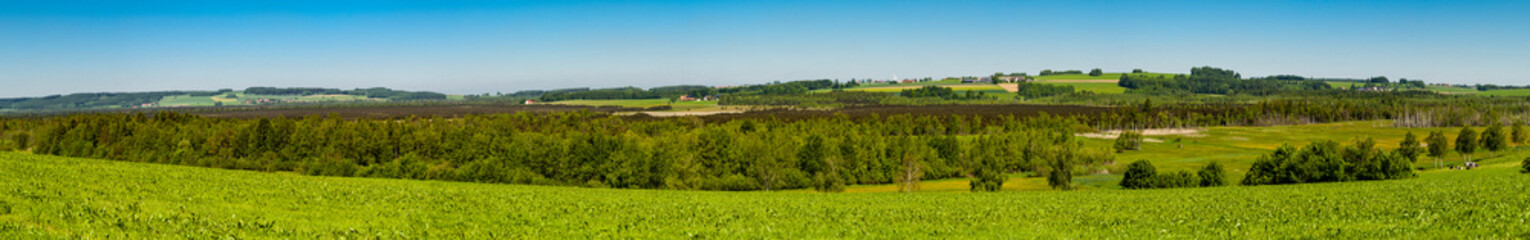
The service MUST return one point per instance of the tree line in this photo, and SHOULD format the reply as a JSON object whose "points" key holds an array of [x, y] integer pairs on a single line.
{"points": [[589, 149]]}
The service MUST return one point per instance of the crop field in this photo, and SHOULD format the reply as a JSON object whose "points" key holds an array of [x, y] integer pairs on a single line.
{"points": [[70, 198]]}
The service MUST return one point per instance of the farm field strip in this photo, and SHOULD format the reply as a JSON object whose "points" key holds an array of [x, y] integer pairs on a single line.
{"points": [[57, 197]]}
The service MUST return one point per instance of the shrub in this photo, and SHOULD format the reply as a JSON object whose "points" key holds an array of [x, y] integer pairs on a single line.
{"points": [[1061, 176], [22, 141], [1213, 175], [1139, 174], [1326, 161], [1128, 140], [1177, 179], [1525, 165]]}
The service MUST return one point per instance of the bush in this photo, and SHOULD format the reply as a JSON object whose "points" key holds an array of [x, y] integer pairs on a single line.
{"points": [[1178, 179], [22, 141], [1128, 140], [1327, 161], [1213, 175], [1525, 166], [1139, 175]]}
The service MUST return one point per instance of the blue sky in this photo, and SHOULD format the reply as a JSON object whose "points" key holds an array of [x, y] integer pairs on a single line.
{"points": [[53, 47]]}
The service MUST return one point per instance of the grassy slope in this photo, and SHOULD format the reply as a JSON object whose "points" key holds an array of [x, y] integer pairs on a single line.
{"points": [[56, 197], [1104, 76], [1235, 148], [1506, 93]]}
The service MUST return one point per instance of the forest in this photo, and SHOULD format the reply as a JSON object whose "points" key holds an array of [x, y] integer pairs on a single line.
{"points": [[1210, 80], [584, 149]]}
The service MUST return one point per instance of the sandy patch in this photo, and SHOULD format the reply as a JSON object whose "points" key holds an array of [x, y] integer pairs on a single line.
{"points": [[1010, 87], [1191, 132]]}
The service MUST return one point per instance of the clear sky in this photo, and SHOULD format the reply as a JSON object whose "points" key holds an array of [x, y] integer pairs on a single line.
{"points": [[54, 47]]}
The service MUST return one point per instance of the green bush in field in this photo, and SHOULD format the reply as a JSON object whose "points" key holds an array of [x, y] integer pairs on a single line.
{"points": [[1467, 142], [22, 141], [1178, 179], [1525, 166], [1328, 161], [1128, 140], [1410, 147], [1494, 138], [1140, 174], [1213, 175]]}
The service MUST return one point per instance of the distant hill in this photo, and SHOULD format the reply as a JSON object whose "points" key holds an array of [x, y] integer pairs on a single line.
{"points": [[223, 97]]}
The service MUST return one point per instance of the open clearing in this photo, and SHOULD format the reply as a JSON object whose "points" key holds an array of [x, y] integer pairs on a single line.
{"points": [[57, 197]]}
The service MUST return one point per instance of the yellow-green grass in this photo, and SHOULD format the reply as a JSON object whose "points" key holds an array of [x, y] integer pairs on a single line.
{"points": [[1103, 76], [1096, 87], [72, 198], [1452, 90], [1235, 148], [959, 87], [643, 103], [1506, 93]]}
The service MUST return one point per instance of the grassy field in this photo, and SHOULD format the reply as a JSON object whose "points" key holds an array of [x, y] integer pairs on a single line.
{"points": [[1104, 76], [1506, 93], [1235, 148], [69, 198], [644, 103], [1096, 87]]}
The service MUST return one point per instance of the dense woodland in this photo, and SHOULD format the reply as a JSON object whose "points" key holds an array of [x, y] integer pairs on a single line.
{"points": [[585, 149], [1209, 80]]}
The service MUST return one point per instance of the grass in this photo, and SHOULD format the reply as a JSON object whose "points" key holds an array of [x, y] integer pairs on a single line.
{"points": [[1103, 76], [1235, 148], [644, 103], [1506, 92], [71, 198], [1096, 87]]}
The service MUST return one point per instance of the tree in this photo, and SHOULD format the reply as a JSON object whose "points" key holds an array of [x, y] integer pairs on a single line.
{"points": [[1378, 79], [1095, 72], [1494, 139], [1139, 175], [1045, 72], [1213, 175], [913, 163], [1137, 70], [1061, 176], [1410, 147], [988, 170], [1524, 166], [1128, 140], [1466, 142], [1517, 134], [22, 140], [1437, 145]]}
